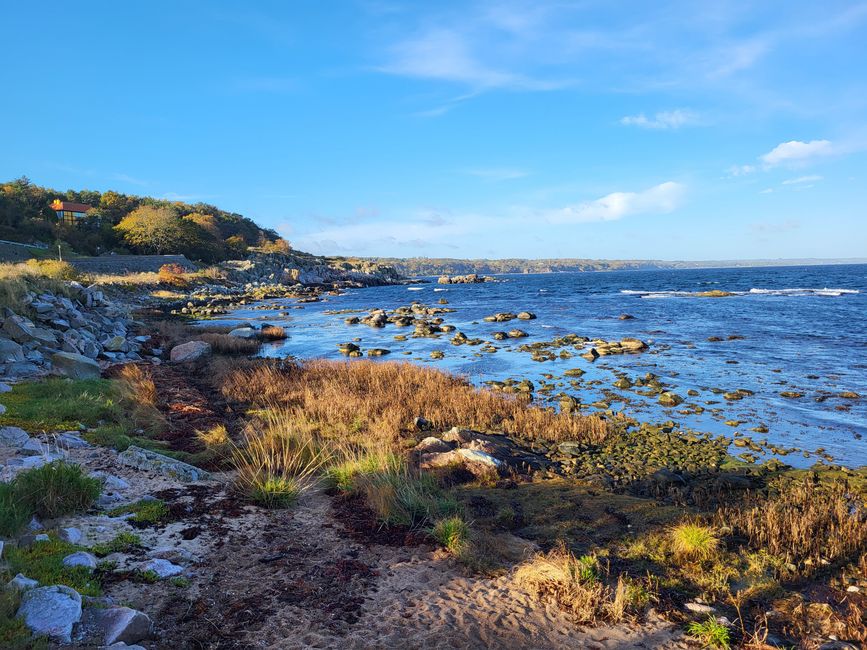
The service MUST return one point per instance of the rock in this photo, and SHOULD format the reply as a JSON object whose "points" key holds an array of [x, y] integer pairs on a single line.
{"points": [[4, 388], [378, 352], [517, 334], [71, 535], [526, 315], [670, 399], [75, 366], [431, 445], [10, 352], [699, 608], [163, 568], [116, 344], [71, 440], [151, 460], [348, 349], [626, 317], [13, 437], [124, 625], [111, 482], [80, 558], [2, 546], [243, 333], [34, 446], [633, 345], [19, 329], [190, 351], [51, 611], [22, 583]]}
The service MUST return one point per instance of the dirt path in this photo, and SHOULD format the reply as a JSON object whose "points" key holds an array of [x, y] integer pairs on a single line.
{"points": [[298, 579]]}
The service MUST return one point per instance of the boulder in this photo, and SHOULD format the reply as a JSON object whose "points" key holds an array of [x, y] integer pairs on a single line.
{"points": [[71, 535], [670, 399], [80, 558], [124, 625], [150, 460], [243, 333], [190, 351], [22, 583], [116, 344], [51, 611], [431, 445], [526, 315], [10, 351], [19, 329], [13, 437], [76, 366], [163, 568]]}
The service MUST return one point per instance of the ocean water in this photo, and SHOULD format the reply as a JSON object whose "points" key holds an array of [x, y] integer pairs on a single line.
{"points": [[798, 329]]}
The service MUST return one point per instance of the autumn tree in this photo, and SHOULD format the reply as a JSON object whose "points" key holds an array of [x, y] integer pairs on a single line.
{"points": [[154, 229]]}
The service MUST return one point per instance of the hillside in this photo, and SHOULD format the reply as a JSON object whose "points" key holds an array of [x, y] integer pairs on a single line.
{"points": [[125, 223]]}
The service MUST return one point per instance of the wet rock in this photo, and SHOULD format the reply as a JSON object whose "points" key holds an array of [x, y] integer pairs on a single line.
{"points": [[633, 345], [526, 315], [75, 366], [51, 611], [670, 399], [517, 334], [437, 354], [791, 394], [190, 351], [349, 349], [378, 352], [626, 317]]}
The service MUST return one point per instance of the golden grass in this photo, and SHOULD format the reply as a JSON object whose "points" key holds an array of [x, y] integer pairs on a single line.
{"points": [[575, 585], [275, 463], [381, 400], [807, 524], [139, 395], [17, 279], [225, 344], [272, 333], [693, 541]]}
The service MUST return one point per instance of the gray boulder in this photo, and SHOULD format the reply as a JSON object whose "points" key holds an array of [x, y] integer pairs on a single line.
{"points": [[13, 437], [191, 351], [10, 351], [76, 366], [22, 583], [80, 558], [51, 611], [71, 535], [124, 625], [243, 333], [163, 568], [155, 462]]}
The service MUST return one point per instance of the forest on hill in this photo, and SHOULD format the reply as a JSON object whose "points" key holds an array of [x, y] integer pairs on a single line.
{"points": [[125, 223]]}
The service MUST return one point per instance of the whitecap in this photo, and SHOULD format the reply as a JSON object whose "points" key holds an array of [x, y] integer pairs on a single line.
{"points": [[414, 288]]}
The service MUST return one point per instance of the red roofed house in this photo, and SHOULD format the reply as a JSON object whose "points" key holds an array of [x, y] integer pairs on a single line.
{"points": [[69, 212]]}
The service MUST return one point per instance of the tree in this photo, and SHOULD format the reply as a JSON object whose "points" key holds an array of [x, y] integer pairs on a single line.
{"points": [[153, 229]]}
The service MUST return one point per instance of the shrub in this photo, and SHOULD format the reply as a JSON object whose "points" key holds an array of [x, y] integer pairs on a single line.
{"points": [[710, 632], [453, 533], [53, 269], [225, 344], [173, 275], [14, 514], [56, 489], [693, 541]]}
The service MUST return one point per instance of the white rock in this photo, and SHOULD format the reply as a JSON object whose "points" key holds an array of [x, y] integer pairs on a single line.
{"points": [[852, 589], [80, 558], [71, 535], [163, 568], [124, 625], [699, 608], [191, 351], [51, 611]]}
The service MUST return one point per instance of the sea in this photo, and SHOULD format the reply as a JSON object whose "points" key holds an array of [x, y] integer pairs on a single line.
{"points": [[798, 330]]}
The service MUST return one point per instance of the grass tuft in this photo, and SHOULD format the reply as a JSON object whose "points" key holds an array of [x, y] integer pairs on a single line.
{"points": [[122, 543], [692, 541], [144, 512], [453, 533], [710, 632], [56, 489]]}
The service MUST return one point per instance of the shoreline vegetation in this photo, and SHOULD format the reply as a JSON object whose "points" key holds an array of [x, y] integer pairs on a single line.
{"points": [[175, 490]]}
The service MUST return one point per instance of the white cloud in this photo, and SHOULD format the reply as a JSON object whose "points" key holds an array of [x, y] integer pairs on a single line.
{"points": [[768, 190], [796, 151], [659, 199], [497, 173], [741, 170], [803, 179], [662, 120]]}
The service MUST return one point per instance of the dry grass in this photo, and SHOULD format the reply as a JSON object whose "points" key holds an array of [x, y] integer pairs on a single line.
{"points": [[139, 397], [225, 344], [144, 279], [17, 279], [575, 584], [272, 333], [381, 400], [275, 463], [807, 524]]}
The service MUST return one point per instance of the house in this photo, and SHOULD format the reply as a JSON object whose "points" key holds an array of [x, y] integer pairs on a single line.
{"points": [[69, 212]]}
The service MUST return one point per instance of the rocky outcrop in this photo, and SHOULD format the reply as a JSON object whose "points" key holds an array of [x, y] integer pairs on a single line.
{"points": [[471, 278], [152, 461], [70, 334], [296, 267]]}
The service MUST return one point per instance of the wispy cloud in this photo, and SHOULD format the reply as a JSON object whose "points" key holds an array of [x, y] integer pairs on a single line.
{"points": [[662, 120], [659, 199], [800, 180], [796, 151], [497, 173]]}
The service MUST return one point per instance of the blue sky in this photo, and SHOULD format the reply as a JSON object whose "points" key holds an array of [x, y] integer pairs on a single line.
{"points": [[673, 130]]}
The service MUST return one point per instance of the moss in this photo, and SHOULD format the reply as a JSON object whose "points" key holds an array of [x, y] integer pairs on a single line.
{"points": [[121, 543], [144, 512]]}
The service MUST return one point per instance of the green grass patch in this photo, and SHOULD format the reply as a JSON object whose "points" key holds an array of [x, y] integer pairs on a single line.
{"points": [[452, 532], [144, 512], [121, 543], [710, 632], [14, 514], [61, 404], [56, 489], [115, 436], [148, 577], [43, 561]]}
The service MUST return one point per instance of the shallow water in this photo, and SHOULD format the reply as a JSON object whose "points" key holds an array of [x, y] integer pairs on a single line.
{"points": [[796, 322]]}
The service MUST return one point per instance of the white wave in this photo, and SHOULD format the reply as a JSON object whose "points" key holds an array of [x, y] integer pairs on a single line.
{"points": [[414, 288], [804, 292], [440, 289]]}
